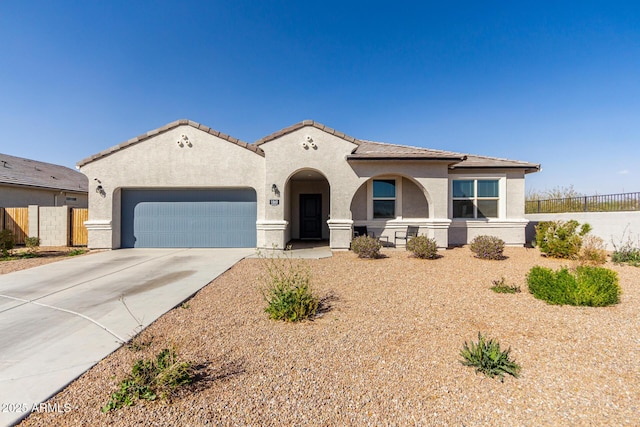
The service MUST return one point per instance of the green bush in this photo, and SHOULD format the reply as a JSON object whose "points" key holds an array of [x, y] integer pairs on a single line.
{"points": [[7, 242], [488, 247], [423, 247], [150, 379], [587, 286], [487, 357], [288, 290], [501, 287], [366, 247], [560, 239]]}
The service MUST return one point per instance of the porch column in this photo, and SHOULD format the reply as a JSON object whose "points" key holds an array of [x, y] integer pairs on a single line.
{"points": [[271, 234], [340, 233]]}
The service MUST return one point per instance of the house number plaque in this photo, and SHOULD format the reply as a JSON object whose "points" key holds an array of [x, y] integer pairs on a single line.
{"points": [[274, 202]]}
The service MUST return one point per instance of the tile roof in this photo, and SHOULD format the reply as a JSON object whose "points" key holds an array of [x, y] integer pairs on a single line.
{"points": [[303, 124], [19, 171], [474, 161], [365, 150], [165, 128], [370, 150]]}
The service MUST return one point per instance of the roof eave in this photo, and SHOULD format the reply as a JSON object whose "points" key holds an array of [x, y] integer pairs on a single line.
{"points": [[413, 158], [527, 168]]}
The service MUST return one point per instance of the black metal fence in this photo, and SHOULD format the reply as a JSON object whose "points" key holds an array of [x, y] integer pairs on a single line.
{"points": [[604, 203]]}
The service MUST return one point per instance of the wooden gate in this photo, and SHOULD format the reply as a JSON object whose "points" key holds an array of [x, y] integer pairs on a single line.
{"points": [[78, 230], [17, 220]]}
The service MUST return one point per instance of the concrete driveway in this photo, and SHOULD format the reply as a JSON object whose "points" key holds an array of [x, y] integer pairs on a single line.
{"points": [[60, 319]]}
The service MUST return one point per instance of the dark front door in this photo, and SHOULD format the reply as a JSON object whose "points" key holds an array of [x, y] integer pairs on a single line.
{"points": [[311, 216]]}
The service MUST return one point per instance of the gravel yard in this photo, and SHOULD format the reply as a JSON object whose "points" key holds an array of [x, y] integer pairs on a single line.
{"points": [[46, 255], [385, 353]]}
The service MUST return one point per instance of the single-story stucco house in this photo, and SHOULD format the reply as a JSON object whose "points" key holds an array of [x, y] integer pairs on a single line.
{"points": [[25, 182], [187, 185]]}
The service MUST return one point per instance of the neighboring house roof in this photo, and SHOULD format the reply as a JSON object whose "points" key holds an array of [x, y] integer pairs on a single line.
{"points": [[166, 128], [365, 150], [19, 171]]}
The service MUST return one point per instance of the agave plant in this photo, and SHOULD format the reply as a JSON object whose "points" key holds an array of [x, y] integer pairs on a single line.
{"points": [[487, 358]]}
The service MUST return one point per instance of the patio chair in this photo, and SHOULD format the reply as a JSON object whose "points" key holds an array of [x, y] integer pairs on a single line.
{"points": [[412, 231], [361, 230]]}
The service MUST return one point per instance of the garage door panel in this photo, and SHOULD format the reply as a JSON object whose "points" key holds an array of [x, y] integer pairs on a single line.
{"points": [[189, 218]]}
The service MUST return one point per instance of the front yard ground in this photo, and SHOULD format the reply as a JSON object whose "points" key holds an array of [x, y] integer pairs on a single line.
{"points": [[385, 353]]}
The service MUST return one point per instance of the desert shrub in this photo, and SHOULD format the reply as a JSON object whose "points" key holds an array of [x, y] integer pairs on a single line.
{"points": [[288, 290], [76, 252], [561, 239], [487, 247], [150, 379], [487, 357], [501, 287], [592, 251], [423, 247], [7, 242], [625, 251], [587, 286], [32, 244], [366, 247]]}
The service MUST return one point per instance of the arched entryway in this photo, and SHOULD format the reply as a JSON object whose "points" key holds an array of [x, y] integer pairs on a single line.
{"points": [[389, 203], [308, 199]]}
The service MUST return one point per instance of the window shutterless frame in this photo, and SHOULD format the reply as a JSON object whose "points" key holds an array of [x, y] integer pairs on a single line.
{"points": [[475, 198], [384, 198]]}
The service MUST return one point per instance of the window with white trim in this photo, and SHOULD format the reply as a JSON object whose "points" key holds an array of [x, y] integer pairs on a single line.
{"points": [[475, 198], [384, 198]]}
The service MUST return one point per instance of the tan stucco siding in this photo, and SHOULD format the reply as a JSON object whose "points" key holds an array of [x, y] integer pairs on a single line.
{"points": [[359, 204], [414, 203], [286, 156], [431, 176], [160, 162]]}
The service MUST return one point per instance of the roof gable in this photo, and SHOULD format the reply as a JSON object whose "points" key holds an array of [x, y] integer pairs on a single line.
{"points": [[166, 128], [305, 123], [32, 173]]}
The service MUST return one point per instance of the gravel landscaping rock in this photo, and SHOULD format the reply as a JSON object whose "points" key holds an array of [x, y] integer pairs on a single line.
{"points": [[386, 352]]}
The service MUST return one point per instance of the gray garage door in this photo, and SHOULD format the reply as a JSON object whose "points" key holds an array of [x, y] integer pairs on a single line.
{"points": [[187, 218]]}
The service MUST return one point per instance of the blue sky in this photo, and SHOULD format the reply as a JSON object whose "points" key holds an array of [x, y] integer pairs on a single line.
{"points": [[556, 83]]}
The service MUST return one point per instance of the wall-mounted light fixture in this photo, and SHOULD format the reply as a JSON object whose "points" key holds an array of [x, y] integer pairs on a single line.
{"points": [[274, 188], [101, 191]]}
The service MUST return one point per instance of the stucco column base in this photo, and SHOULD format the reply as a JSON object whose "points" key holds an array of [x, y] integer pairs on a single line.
{"points": [[99, 233], [340, 233], [271, 234]]}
